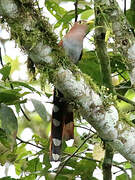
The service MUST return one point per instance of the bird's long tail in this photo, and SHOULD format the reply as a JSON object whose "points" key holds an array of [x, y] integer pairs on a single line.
{"points": [[62, 125]]}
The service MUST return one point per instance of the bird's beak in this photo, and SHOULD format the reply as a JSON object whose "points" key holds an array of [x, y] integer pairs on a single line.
{"points": [[90, 22]]}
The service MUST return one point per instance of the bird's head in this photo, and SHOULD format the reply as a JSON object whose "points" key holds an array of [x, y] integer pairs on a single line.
{"points": [[87, 25]]}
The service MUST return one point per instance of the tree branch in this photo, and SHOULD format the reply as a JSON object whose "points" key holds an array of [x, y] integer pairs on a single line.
{"points": [[27, 142], [124, 38], [100, 33]]}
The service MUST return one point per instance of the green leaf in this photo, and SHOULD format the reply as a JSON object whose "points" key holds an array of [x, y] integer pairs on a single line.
{"points": [[22, 152], [10, 96], [15, 64], [130, 14], [130, 94], [44, 142], [6, 155], [70, 150], [67, 17], [89, 65], [46, 161], [60, 177], [3, 137], [85, 168], [55, 9], [122, 177], [72, 163], [86, 14], [127, 165], [30, 177], [5, 71], [20, 165], [21, 160], [9, 124], [34, 165], [40, 109], [23, 84]]}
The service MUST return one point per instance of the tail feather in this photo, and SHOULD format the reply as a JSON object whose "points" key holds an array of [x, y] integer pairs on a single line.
{"points": [[61, 125]]}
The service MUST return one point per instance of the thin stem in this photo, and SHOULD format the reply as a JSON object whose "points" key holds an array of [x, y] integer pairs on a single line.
{"points": [[125, 7], [26, 142], [76, 10], [125, 99], [1, 59], [25, 114], [84, 128], [86, 158]]}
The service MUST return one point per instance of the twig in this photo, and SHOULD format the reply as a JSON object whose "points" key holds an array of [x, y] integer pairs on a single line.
{"points": [[76, 10], [122, 169], [125, 99], [86, 158], [120, 73], [123, 87], [25, 114], [26, 142], [64, 163], [84, 128], [1, 59], [125, 7]]}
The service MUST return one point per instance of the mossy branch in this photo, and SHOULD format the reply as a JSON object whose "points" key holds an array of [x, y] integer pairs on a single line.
{"points": [[124, 37], [102, 54]]}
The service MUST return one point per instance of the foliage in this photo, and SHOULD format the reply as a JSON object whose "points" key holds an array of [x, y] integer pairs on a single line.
{"points": [[15, 116]]}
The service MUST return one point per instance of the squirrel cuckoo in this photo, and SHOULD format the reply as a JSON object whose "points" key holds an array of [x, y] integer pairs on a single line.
{"points": [[62, 124]]}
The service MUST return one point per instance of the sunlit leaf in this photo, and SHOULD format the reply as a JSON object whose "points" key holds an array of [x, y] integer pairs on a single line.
{"points": [[107, 36], [98, 152], [122, 177], [86, 14], [15, 64], [5, 71], [130, 94], [9, 124], [55, 9]]}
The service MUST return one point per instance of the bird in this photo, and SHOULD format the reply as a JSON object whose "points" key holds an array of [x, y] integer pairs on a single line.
{"points": [[62, 124]]}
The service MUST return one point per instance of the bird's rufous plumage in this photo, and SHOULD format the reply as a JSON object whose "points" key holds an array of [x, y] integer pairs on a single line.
{"points": [[62, 124]]}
